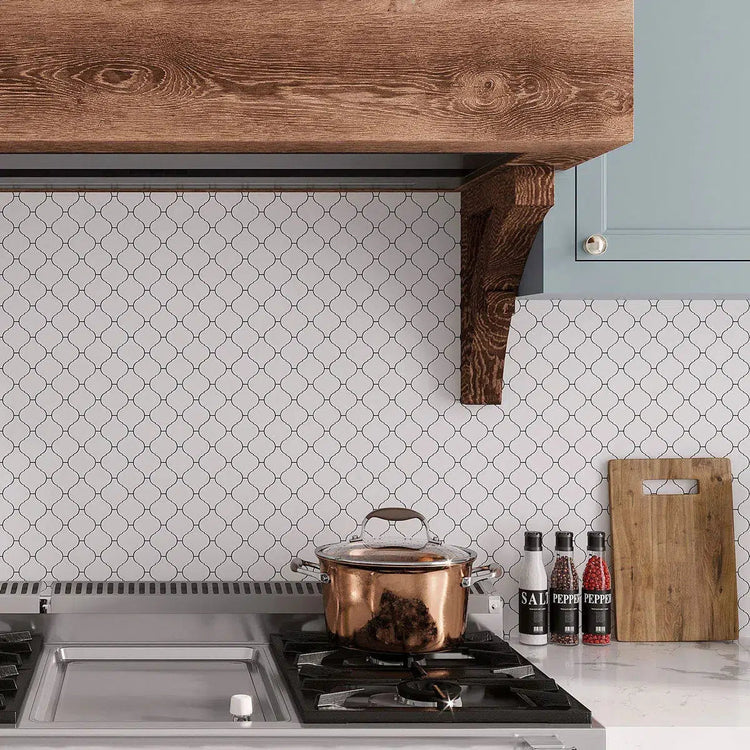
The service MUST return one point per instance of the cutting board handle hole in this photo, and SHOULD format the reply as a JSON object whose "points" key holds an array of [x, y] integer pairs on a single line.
{"points": [[670, 486]]}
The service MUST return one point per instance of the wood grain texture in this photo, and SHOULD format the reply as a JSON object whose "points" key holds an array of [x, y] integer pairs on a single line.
{"points": [[674, 571], [501, 213], [526, 77]]}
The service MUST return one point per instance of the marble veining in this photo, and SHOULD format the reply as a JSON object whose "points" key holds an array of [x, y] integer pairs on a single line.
{"points": [[630, 685]]}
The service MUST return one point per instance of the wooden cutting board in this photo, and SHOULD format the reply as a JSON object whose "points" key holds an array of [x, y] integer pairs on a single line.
{"points": [[675, 576]]}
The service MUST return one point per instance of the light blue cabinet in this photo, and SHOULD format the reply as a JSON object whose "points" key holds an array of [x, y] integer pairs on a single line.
{"points": [[674, 206]]}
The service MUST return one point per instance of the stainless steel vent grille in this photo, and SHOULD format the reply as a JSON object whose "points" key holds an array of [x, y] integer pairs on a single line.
{"points": [[19, 588], [55, 597], [172, 588], [143, 597], [187, 588]]}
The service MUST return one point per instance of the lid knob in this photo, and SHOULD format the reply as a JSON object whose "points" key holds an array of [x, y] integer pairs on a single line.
{"points": [[241, 707]]}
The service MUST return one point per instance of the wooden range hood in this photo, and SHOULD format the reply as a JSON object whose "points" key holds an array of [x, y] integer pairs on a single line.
{"points": [[487, 96]]}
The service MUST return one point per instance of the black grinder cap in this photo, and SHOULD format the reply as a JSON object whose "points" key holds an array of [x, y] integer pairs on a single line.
{"points": [[596, 541], [564, 541], [532, 541]]}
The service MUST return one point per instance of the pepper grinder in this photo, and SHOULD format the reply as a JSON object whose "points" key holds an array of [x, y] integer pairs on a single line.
{"points": [[565, 593]]}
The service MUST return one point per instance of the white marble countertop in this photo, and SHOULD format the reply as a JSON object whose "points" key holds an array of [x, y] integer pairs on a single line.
{"points": [[649, 694]]}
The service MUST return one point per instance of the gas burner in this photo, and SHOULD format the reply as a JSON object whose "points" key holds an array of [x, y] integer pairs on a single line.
{"points": [[409, 695], [354, 659], [480, 652], [385, 660], [428, 693]]}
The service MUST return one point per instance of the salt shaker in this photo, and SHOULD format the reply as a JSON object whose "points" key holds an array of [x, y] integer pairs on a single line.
{"points": [[533, 595]]}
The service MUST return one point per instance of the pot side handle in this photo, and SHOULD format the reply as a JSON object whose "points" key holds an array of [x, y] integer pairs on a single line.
{"points": [[311, 570], [482, 573]]}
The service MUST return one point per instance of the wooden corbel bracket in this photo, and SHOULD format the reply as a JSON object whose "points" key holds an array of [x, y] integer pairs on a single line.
{"points": [[501, 212]]}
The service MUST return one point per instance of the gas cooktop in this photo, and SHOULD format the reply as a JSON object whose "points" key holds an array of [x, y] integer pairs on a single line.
{"points": [[19, 653], [484, 681]]}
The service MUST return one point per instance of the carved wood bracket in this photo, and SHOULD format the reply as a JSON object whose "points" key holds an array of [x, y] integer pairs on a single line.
{"points": [[501, 212]]}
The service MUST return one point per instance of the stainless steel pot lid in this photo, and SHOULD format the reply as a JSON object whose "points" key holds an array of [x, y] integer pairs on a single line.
{"points": [[422, 551]]}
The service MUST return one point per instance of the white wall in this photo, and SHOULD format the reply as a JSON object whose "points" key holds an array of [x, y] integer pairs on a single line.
{"points": [[203, 386]]}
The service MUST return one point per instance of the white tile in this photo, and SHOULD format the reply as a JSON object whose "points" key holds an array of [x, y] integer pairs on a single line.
{"points": [[249, 374]]}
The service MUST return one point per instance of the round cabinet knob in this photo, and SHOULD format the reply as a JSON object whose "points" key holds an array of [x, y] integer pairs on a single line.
{"points": [[241, 707], [596, 244]]}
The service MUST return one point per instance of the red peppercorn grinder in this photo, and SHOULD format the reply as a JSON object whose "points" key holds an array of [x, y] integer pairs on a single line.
{"points": [[597, 594]]}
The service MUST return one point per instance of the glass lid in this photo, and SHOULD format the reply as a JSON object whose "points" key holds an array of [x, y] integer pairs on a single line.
{"points": [[423, 550]]}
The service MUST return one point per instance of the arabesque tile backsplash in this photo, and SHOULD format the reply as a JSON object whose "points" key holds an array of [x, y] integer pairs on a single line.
{"points": [[201, 386]]}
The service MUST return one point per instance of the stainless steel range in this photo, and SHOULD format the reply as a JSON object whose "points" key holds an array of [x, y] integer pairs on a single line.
{"points": [[157, 665]]}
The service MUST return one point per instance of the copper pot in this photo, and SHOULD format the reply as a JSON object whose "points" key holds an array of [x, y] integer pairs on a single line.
{"points": [[398, 597]]}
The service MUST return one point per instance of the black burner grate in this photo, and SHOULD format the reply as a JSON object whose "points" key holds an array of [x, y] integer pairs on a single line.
{"points": [[497, 685], [19, 653]]}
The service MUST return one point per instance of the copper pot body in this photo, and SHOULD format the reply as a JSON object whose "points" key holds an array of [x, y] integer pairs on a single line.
{"points": [[397, 611]]}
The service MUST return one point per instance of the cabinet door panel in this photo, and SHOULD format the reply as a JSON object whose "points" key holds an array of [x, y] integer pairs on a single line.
{"points": [[680, 191]]}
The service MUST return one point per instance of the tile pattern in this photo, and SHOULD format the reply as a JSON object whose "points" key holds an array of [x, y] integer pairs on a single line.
{"points": [[201, 386]]}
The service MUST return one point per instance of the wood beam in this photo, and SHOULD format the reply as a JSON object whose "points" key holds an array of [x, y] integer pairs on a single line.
{"points": [[547, 82], [501, 213]]}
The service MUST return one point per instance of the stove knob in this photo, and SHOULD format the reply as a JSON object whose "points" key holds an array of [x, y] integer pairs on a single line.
{"points": [[241, 707]]}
